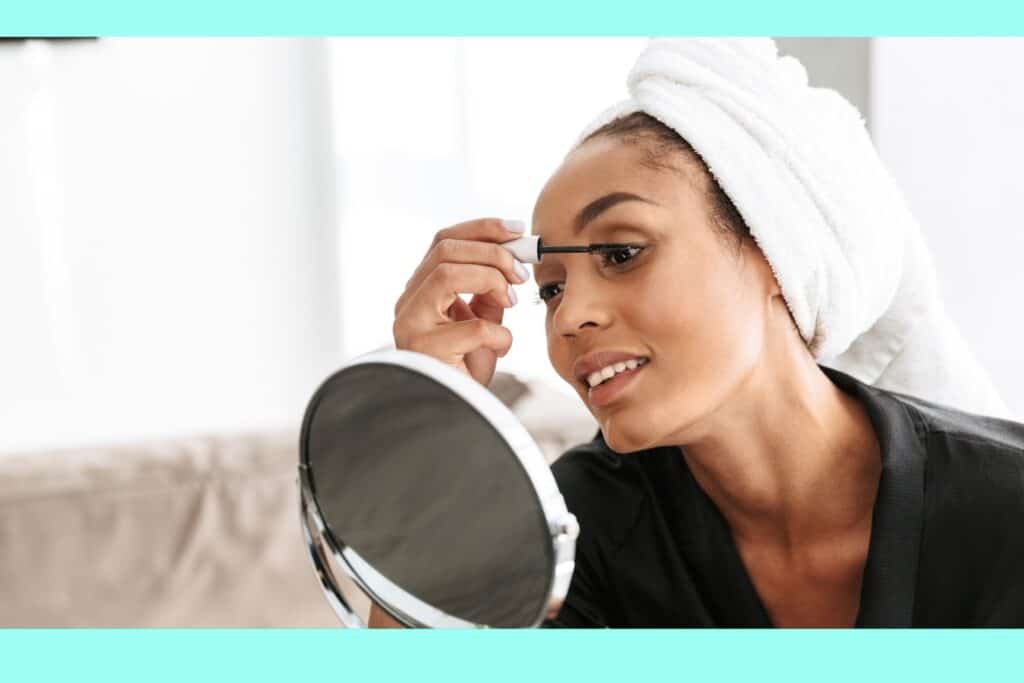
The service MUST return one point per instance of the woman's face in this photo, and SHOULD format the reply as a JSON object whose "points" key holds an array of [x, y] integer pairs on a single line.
{"points": [[688, 299]]}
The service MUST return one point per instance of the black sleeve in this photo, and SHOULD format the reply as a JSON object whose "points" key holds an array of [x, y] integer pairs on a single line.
{"points": [[581, 607], [584, 479]]}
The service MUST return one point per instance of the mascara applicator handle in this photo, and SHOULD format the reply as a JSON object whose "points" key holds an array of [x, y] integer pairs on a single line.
{"points": [[525, 249]]}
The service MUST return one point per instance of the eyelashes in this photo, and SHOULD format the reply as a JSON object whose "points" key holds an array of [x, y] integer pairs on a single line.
{"points": [[544, 295], [612, 256]]}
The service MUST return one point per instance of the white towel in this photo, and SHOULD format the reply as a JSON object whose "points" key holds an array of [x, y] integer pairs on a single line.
{"points": [[800, 167]]}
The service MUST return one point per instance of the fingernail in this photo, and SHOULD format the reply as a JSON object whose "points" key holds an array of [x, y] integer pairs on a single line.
{"points": [[521, 271], [514, 226], [512, 295]]}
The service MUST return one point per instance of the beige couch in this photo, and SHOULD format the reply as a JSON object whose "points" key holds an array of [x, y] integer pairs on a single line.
{"points": [[199, 531]]}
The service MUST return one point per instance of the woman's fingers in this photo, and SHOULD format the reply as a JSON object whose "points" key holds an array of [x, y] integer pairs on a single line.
{"points": [[481, 362], [484, 307], [429, 305], [460, 310], [432, 318], [474, 242], [451, 342], [480, 229]]}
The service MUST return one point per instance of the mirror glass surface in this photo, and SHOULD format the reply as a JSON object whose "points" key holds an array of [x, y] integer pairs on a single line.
{"points": [[424, 489]]}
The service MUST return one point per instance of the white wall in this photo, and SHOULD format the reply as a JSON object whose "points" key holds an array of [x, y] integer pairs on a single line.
{"points": [[843, 64], [948, 119], [167, 240]]}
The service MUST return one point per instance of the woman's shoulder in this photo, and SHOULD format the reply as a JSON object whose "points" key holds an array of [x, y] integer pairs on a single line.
{"points": [[973, 504], [978, 454], [936, 419], [971, 456], [967, 433]]}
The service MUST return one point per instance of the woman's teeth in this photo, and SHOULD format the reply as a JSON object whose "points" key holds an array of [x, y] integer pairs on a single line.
{"points": [[606, 373]]}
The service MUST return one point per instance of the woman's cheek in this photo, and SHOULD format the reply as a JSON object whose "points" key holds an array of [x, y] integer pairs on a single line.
{"points": [[559, 356]]}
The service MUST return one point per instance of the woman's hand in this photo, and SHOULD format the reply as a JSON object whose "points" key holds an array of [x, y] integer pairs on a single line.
{"points": [[432, 319], [381, 619]]}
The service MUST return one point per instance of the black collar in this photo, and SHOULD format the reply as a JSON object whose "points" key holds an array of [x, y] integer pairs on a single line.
{"points": [[890, 573]]}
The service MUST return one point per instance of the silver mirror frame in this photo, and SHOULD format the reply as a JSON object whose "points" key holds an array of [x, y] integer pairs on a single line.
{"points": [[402, 606]]}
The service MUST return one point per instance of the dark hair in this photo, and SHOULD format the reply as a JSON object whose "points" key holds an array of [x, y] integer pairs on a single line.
{"points": [[640, 127]]}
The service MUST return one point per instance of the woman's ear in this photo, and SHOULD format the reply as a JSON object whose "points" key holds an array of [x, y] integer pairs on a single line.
{"points": [[777, 303], [769, 285], [752, 254]]}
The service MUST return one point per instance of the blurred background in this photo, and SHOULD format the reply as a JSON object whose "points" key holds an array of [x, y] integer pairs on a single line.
{"points": [[195, 232]]}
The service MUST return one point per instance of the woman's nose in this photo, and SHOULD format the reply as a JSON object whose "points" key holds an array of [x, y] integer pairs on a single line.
{"points": [[580, 309]]}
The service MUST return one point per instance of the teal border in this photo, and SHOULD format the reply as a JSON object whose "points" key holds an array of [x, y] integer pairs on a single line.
{"points": [[521, 17], [284, 656], [182, 656]]}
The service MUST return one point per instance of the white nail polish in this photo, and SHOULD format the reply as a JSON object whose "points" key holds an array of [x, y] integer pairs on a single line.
{"points": [[521, 270], [514, 226], [512, 295]]}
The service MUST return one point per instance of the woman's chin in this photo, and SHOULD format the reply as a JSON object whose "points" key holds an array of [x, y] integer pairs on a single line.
{"points": [[645, 427], [624, 435]]}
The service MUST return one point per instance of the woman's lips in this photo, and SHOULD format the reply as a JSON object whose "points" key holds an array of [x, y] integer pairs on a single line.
{"points": [[611, 389]]}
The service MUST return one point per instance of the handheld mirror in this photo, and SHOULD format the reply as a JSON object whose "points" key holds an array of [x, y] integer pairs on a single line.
{"points": [[426, 491]]}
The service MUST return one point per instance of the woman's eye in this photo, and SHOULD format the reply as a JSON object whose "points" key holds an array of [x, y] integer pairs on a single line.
{"points": [[548, 292], [611, 256], [619, 256]]}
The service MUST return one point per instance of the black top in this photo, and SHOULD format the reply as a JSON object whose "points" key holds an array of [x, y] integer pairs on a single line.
{"points": [[947, 533]]}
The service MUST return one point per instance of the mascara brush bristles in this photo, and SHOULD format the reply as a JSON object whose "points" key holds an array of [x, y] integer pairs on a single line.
{"points": [[582, 250], [565, 250]]}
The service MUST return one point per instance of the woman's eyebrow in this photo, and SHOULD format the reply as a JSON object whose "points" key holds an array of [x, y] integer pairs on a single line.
{"points": [[602, 204], [594, 209]]}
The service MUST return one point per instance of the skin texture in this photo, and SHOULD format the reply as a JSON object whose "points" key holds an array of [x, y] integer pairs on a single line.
{"points": [[381, 619], [791, 461]]}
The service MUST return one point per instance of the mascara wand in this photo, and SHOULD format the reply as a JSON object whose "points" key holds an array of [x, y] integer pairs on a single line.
{"points": [[529, 249]]}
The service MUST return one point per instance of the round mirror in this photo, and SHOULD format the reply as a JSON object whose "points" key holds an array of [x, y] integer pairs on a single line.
{"points": [[430, 495]]}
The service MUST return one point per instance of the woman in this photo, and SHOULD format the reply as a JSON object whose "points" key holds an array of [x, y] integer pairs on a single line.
{"points": [[734, 480]]}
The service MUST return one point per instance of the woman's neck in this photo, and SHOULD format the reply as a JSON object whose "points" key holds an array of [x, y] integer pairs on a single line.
{"points": [[791, 461]]}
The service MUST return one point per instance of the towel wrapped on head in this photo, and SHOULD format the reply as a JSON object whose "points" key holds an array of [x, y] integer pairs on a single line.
{"points": [[800, 167]]}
